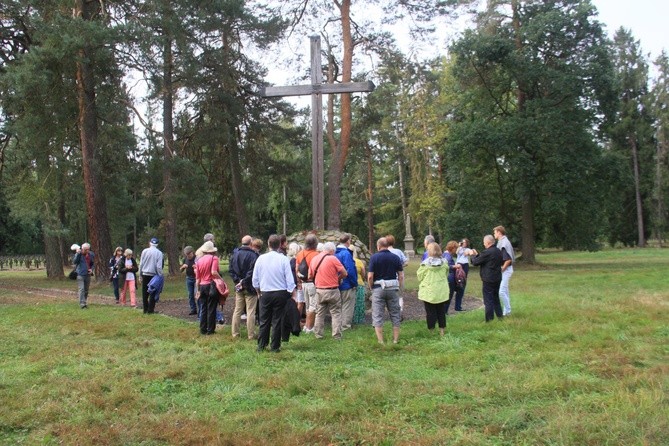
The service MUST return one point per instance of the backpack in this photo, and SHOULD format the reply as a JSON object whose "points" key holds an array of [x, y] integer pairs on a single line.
{"points": [[303, 269], [460, 278]]}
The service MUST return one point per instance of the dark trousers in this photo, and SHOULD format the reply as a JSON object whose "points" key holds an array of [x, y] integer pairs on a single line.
{"points": [[460, 292], [272, 311], [148, 302], [435, 313], [116, 290], [208, 312], [491, 300], [451, 294]]}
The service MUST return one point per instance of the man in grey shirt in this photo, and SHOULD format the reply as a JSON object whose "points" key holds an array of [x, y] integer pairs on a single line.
{"points": [[150, 264], [504, 245]]}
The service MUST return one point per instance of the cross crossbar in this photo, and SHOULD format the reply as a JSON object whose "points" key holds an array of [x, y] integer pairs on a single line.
{"points": [[303, 90]]}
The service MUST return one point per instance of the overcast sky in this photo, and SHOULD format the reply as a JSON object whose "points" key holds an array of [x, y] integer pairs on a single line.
{"points": [[647, 19]]}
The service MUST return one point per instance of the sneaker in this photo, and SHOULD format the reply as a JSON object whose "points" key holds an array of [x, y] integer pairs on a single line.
{"points": [[243, 317], [221, 322]]}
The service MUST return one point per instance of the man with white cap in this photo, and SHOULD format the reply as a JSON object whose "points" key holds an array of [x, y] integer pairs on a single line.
{"points": [[150, 264]]}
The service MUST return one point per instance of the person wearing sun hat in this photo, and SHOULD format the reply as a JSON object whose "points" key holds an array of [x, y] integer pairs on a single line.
{"points": [[206, 270], [150, 264]]}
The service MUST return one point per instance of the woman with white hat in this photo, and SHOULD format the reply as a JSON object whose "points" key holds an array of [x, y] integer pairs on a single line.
{"points": [[206, 270]]}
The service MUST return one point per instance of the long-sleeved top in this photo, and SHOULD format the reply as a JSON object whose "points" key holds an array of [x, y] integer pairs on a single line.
{"points": [[433, 281], [84, 262], [272, 273], [241, 267], [151, 262], [346, 258], [490, 261]]}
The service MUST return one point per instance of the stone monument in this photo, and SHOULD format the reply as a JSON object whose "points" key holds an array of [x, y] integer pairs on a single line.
{"points": [[408, 240]]}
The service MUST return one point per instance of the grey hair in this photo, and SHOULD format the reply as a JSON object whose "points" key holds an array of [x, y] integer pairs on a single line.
{"points": [[428, 239], [489, 239], [86, 245], [310, 241], [329, 247], [293, 249], [209, 237]]}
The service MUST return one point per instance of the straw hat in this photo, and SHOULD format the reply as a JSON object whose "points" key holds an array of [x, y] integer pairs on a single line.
{"points": [[208, 247]]}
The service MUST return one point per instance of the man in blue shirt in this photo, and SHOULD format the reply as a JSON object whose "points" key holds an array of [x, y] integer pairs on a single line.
{"points": [[349, 286], [274, 283], [385, 278]]}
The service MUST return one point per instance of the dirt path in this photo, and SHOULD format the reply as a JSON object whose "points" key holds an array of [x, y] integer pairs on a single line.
{"points": [[178, 308]]}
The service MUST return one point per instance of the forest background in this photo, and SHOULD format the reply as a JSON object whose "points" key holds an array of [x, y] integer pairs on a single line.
{"points": [[533, 118]]}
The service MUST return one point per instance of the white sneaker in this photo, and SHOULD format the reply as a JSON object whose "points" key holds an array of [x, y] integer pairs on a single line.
{"points": [[243, 317]]}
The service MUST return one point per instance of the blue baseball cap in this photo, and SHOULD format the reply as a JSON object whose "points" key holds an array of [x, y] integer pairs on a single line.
{"points": [[154, 241]]}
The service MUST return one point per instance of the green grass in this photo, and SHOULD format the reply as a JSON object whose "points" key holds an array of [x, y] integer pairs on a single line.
{"points": [[583, 360]]}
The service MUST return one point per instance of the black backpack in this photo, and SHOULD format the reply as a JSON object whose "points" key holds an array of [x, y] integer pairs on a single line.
{"points": [[303, 269]]}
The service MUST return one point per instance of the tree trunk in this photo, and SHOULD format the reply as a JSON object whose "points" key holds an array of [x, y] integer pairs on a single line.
{"points": [[170, 218], [403, 195], [527, 233], [238, 195], [96, 204], [54, 261], [529, 202], [370, 198], [334, 179], [637, 193], [660, 160], [338, 162]]}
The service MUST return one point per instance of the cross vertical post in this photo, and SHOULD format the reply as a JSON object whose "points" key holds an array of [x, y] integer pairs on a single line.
{"points": [[317, 89]]}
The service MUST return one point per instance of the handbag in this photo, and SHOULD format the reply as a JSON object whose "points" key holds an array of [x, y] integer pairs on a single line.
{"points": [[218, 287], [73, 274], [222, 290]]}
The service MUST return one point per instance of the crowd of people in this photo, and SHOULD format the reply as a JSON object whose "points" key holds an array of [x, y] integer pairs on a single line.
{"points": [[292, 288]]}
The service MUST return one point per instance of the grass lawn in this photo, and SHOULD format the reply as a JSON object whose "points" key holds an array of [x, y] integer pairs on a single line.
{"points": [[583, 360]]}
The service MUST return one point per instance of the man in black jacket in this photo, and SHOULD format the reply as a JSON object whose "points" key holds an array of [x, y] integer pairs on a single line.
{"points": [[490, 261], [241, 269]]}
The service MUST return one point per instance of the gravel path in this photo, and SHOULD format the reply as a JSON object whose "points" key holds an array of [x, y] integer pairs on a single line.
{"points": [[178, 308]]}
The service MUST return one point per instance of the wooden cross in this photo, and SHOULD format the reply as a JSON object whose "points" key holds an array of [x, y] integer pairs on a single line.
{"points": [[316, 89]]}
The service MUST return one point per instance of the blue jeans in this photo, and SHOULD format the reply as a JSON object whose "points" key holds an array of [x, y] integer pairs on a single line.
{"points": [[190, 287]]}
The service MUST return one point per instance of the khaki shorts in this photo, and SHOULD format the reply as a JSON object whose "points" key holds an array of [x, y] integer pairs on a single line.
{"points": [[310, 301]]}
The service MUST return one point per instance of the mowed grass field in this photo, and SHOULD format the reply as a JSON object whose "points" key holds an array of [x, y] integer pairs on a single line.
{"points": [[582, 360]]}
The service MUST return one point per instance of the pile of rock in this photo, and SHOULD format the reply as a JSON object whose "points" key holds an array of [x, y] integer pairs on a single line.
{"points": [[333, 236]]}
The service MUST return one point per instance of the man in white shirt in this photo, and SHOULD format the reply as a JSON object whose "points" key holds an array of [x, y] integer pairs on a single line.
{"points": [[504, 245], [274, 283]]}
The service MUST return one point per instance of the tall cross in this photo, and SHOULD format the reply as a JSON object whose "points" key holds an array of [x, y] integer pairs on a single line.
{"points": [[317, 89]]}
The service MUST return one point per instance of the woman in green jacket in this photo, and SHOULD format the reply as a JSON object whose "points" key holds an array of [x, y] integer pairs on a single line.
{"points": [[433, 287]]}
